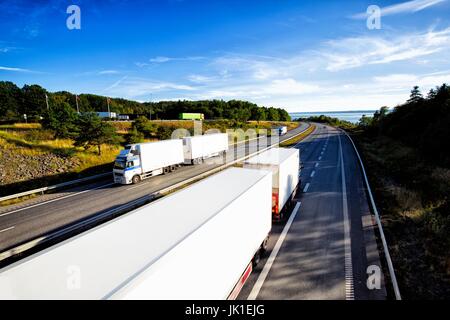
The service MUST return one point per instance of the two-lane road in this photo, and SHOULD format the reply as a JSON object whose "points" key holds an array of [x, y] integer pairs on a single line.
{"points": [[33, 218], [324, 249]]}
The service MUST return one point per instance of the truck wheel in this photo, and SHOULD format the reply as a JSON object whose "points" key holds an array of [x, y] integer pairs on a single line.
{"points": [[166, 170], [136, 179], [256, 258], [265, 244], [173, 168]]}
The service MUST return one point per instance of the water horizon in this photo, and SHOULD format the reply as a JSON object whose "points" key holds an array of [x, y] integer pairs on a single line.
{"points": [[347, 115]]}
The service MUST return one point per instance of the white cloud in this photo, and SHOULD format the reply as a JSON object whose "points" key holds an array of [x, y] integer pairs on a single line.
{"points": [[108, 72], [407, 81], [197, 78], [359, 51], [403, 7], [15, 69], [138, 87], [162, 59]]}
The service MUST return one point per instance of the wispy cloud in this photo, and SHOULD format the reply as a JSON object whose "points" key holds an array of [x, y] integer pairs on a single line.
{"points": [[356, 52], [403, 7], [108, 72], [164, 59], [13, 69], [139, 87], [7, 49]]}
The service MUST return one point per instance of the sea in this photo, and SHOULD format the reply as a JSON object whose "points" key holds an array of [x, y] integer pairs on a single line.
{"points": [[351, 116]]}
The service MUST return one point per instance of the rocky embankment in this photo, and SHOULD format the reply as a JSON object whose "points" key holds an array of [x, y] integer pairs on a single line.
{"points": [[16, 167]]}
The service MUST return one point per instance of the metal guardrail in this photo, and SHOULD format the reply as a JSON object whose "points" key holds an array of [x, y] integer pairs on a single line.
{"points": [[106, 215], [53, 187], [380, 227]]}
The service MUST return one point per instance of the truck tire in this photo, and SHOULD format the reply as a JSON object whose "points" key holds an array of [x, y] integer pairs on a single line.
{"points": [[256, 258], [265, 245], [166, 170], [136, 179], [173, 168]]}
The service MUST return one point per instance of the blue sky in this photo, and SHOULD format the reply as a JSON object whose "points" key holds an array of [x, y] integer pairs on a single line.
{"points": [[300, 55]]}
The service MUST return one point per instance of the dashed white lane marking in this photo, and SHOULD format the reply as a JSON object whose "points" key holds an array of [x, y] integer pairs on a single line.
{"points": [[306, 187], [348, 266], [320, 158], [316, 165], [313, 173], [10, 228], [49, 201], [263, 275]]}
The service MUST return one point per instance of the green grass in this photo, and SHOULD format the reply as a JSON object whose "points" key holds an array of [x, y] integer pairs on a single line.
{"points": [[297, 139]]}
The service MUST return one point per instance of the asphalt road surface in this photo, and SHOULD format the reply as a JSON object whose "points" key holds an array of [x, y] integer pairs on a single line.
{"points": [[325, 247], [39, 216]]}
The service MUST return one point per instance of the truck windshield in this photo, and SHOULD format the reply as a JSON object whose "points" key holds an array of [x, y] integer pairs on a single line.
{"points": [[119, 164]]}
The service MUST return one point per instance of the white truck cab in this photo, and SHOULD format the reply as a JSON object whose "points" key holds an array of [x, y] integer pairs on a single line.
{"points": [[127, 166]]}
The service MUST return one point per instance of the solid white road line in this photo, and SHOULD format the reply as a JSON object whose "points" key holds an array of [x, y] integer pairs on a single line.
{"points": [[263, 275], [306, 187], [313, 173], [10, 228], [348, 266], [60, 198]]}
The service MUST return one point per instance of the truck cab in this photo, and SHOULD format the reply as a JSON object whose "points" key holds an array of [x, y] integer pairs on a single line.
{"points": [[127, 165]]}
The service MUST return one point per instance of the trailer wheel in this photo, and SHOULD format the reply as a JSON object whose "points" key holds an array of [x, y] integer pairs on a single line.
{"points": [[166, 170], [136, 179], [256, 258], [173, 168], [265, 244]]}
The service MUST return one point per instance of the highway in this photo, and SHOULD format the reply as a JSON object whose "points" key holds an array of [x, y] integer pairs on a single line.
{"points": [[36, 217], [326, 245]]}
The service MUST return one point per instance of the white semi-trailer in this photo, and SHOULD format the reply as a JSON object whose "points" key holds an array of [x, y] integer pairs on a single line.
{"points": [[198, 148], [285, 166], [197, 243], [143, 160]]}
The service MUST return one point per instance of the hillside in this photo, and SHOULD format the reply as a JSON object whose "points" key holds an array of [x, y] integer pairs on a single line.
{"points": [[407, 154], [31, 100]]}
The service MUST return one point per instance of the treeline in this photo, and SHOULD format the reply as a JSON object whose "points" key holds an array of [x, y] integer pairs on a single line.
{"points": [[31, 100], [335, 122], [421, 122]]}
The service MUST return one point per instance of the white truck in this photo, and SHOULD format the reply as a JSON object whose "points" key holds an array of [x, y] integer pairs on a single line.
{"points": [[197, 243], [143, 160], [104, 114], [198, 148], [284, 163], [282, 130]]}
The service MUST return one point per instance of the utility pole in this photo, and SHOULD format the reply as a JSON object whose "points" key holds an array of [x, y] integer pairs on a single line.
{"points": [[109, 113], [46, 101]]}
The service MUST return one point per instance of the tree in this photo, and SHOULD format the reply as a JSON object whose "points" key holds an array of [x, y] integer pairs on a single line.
{"points": [[62, 120], [95, 132], [144, 126], [10, 99], [33, 102], [365, 121], [415, 95], [134, 136], [273, 114]]}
